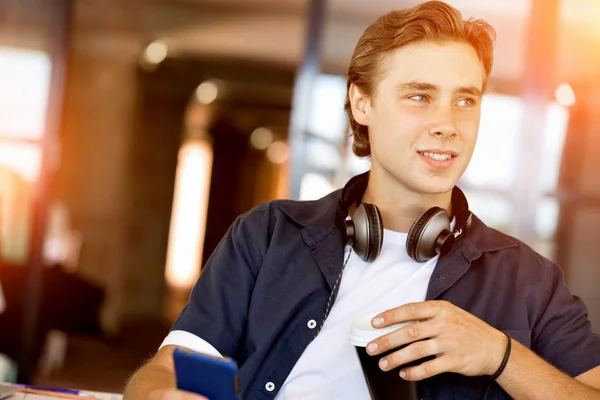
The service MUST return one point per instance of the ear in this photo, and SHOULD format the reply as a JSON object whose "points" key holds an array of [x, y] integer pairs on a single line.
{"points": [[359, 104]]}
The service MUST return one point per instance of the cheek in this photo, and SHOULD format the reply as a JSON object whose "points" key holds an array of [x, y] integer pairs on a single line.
{"points": [[397, 131], [408, 122], [469, 127]]}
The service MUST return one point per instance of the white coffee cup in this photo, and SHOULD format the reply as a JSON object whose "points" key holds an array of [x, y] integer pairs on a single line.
{"points": [[362, 332], [382, 384]]}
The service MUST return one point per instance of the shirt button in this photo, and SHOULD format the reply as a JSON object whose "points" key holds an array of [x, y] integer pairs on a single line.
{"points": [[270, 386], [312, 324]]}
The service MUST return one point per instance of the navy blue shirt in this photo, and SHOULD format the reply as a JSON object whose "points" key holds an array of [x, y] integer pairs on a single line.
{"points": [[275, 269]]}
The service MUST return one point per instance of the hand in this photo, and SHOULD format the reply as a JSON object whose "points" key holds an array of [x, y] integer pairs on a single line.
{"points": [[174, 394], [460, 342]]}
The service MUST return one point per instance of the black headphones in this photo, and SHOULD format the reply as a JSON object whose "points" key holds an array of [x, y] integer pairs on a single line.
{"points": [[428, 236]]}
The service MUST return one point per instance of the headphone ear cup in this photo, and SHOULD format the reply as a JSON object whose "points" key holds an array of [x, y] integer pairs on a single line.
{"points": [[349, 231], [376, 229], [368, 232], [423, 234]]}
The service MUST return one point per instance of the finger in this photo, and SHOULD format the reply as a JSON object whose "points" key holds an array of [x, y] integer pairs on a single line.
{"points": [[408, 334], [425, 370], [410, 353], [408, 312]]}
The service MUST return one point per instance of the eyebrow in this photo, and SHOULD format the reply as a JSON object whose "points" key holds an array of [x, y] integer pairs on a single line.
{"points": [[472, 90], [430, 87], [418, 85]]}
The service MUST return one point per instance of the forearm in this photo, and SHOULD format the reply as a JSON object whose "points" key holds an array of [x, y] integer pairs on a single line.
{"points": [[528, 377], [148, 379]]}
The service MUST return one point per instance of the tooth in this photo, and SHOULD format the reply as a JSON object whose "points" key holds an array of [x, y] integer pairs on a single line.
{"points": [[438, 157]]}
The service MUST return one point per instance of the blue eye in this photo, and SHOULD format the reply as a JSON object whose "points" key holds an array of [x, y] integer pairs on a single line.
{"points": [[419, 97]]}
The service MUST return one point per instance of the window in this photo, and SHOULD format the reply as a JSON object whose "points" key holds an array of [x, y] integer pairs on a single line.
{"points": [[25, 82]]}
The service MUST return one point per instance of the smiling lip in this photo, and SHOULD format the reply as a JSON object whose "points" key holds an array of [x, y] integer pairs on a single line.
{"points": [[438, 158]]}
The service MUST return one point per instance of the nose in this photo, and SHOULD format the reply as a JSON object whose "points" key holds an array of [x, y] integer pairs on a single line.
{"points": [[442, 123]]}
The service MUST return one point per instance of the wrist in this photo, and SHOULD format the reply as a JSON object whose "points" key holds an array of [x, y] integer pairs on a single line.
{"points": [[495, 352], [505, 357]]}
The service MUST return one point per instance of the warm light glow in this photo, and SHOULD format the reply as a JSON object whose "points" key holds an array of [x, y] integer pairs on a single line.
{"points": [[188, 218], [22, 158], [62, 245], [283, 182], [278, 152], [24, 89], [556, 125], [207, 92], [15, 216], [565, 95], [261, 138], [156, 52]]}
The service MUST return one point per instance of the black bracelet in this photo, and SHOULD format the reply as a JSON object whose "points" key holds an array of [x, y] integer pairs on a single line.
{"points": [[505, 359]]}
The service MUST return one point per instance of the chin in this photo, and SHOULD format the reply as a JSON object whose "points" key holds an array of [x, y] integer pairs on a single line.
{"points": [[435, 185]]}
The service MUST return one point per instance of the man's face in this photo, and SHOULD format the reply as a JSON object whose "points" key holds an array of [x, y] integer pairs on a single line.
{"points": [[424, 115]]}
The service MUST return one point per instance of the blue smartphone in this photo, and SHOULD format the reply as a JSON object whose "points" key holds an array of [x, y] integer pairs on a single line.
{"points": [[212, 377]]}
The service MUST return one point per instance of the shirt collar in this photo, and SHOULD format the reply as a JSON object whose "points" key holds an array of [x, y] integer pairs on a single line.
{"points": [[483, 239], [318, 218]]}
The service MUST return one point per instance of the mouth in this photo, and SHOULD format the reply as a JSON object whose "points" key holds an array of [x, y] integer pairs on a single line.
{"points": [[438, 158], [439, 155]]}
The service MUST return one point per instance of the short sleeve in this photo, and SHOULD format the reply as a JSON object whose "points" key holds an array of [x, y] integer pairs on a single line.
{"points": [[217, 308], [562, 334]]}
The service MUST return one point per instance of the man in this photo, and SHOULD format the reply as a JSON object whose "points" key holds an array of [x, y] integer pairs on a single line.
{"points": [[496, 315]]}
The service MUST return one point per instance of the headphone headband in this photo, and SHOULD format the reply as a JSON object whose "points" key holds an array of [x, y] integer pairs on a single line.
{"points": [[460, 208], [352, 193]]}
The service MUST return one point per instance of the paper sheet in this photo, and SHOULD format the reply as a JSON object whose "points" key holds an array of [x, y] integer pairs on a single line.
{"points": [[26, 396], [102, 396]]}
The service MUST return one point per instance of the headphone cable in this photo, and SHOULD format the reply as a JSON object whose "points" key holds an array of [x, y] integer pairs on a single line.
{"points": [[329, 304]]}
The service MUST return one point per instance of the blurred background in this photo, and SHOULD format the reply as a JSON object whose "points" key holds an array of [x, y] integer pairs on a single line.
{"points": [[133, 132]]}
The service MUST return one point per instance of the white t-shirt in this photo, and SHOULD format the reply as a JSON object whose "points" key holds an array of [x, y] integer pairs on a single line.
{"points": [[329, 366]]}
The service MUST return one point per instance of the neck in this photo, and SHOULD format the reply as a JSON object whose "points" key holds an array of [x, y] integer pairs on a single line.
{"points": [[399, 206]]}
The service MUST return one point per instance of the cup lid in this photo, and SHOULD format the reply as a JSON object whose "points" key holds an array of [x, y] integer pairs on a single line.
{"points": [[362, 332]]}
